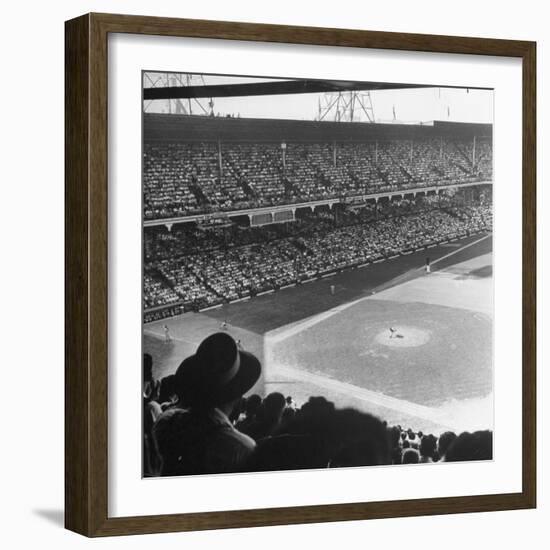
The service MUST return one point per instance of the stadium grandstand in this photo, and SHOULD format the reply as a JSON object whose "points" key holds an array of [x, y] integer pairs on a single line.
{"points": [[197, 191], [306, 243], [252, 165]]}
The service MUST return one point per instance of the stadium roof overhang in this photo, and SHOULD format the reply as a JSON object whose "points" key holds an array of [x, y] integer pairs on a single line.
{"points": [[276, 87]]}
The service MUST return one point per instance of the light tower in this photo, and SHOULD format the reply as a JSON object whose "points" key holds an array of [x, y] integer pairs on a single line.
{"points": [[189, 106], [351, 106]]}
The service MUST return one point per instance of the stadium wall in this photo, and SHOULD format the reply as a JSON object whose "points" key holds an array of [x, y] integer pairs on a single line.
{"points": [[186, 128]]}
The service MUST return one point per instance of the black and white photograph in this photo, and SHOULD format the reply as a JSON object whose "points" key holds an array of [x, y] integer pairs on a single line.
{"points": [[317, 274], [262, 290]]}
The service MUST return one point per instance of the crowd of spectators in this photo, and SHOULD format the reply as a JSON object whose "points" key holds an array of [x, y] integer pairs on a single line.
{"points": [[157, 293], [182, 179], [190, 429], [200, 268]]}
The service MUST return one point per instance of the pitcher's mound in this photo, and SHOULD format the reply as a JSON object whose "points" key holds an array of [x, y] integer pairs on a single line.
{"points": [[403, 337]]}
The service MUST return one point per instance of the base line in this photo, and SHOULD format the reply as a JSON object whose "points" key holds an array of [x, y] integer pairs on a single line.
{"points": [[368, 396]]}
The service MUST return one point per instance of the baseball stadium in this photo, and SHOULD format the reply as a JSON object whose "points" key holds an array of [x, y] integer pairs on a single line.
{"points": [[351, 257]]}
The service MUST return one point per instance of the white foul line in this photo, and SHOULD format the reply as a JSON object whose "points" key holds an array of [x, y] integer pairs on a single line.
{"points": [[458, 250], [368, 396]]}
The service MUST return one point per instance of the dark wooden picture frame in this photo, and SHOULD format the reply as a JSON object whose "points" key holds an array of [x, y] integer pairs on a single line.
{"points": [[86, 281]]}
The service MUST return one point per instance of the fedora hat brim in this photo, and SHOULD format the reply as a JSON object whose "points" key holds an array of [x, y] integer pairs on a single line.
{"points": [[195, 387]]}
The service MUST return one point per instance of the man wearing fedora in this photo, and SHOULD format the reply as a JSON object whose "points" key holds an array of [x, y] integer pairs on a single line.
{"points": [[197, 437]]}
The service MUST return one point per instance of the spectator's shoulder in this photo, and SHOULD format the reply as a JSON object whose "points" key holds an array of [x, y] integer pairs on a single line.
{"points": [[238, 439], [153, 411], [170, 417]]}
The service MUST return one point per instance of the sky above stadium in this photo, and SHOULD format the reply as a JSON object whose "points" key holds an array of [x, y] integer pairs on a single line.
{"points": [[400, 106]]}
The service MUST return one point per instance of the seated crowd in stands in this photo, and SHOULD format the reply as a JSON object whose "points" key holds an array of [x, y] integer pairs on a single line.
{"points": [[197, 268], [182, 179], [197, 421]]}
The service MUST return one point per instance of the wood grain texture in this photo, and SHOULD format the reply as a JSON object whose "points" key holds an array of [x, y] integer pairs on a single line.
{"points": [[86, 231], [529, 275], [164, 26], [77, 459]]}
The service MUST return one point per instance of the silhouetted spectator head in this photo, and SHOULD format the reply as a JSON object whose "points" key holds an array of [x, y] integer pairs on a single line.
{"points": [[359, 439], [273, 406], [313, 417], [395, 436], [445, 440], [252, 405], [318, 404], [428, 445], [410, 456], [167, 388], [151, 387], [406, 444], [147, 367], [218, 373], [471, 446], [288, 415], [268, 419]]}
